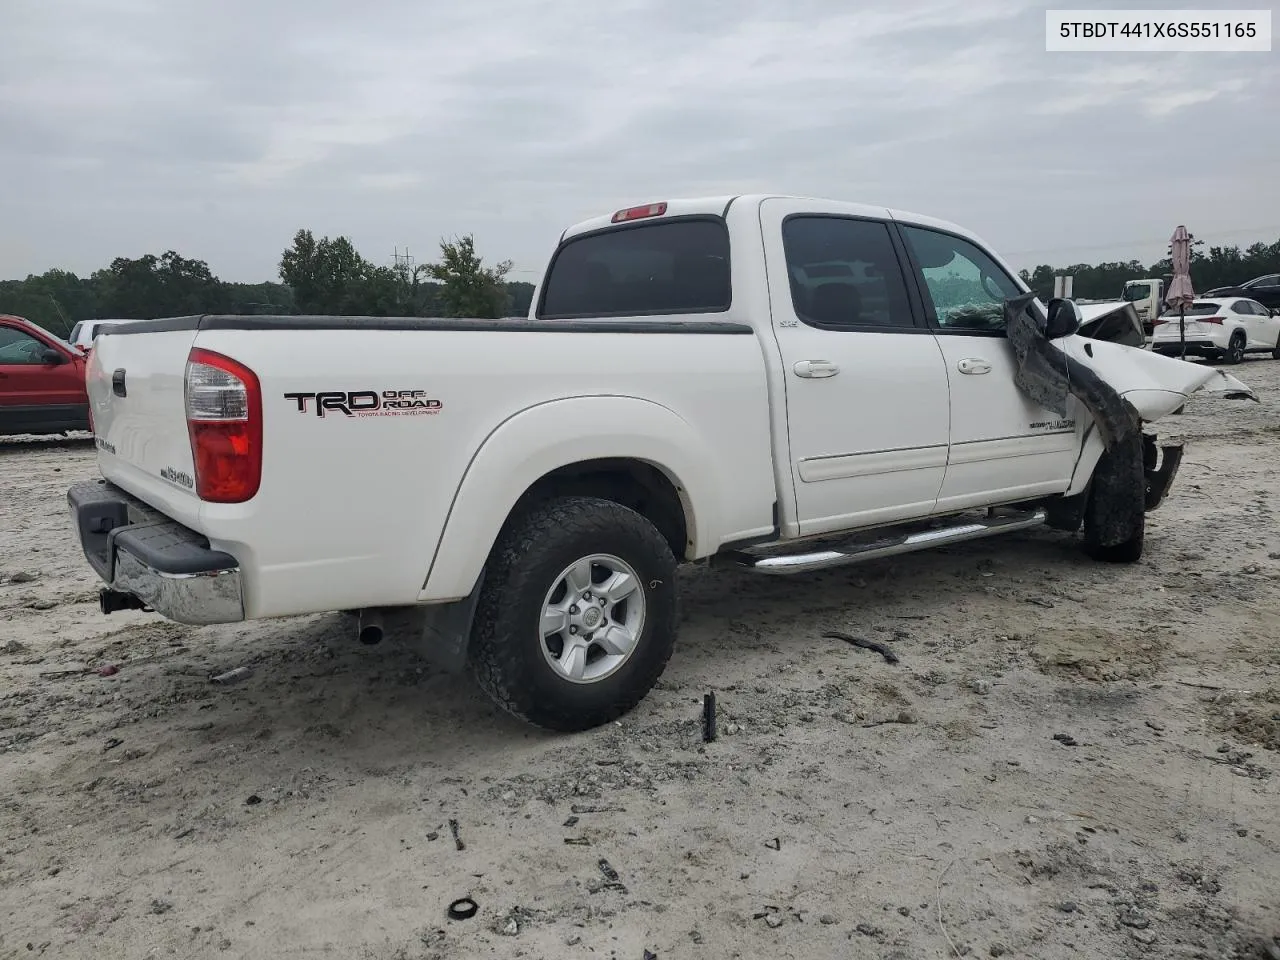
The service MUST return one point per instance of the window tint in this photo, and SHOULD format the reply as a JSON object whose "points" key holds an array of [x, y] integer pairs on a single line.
{"points": [[19, 347], [966, 287], [1242, 306], [1202, 308], [681, 266], [844, 273]]}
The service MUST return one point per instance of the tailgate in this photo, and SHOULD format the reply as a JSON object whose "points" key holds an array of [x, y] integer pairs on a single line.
{"points": [[136, 392]]}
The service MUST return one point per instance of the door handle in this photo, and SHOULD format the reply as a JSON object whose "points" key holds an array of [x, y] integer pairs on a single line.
{"points": [[813, 369], [973, 365]]}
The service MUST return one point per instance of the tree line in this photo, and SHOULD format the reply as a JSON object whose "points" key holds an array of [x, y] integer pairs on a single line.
{"points": [[325, 276], [1219, 267], [329, 276]]}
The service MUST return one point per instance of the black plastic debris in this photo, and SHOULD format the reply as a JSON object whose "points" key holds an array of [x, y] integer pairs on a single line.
{"points": [[876, 645], [463, 908], [708, 717]]}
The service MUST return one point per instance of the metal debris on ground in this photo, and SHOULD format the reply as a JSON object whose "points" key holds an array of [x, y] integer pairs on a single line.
{"points": [[577, 841], [708, 717], [585, 808], [232, 676], [876, 645], [774, 844], [457, 840]]}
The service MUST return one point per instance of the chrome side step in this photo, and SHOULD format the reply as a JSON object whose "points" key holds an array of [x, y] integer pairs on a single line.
{"points": [[785, 564]]}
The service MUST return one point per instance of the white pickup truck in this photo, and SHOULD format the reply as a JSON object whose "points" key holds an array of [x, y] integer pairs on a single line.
{"points": [[777, 383]]}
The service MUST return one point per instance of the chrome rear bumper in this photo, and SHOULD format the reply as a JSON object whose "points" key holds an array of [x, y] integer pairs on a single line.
{"points": [[140, 553]]}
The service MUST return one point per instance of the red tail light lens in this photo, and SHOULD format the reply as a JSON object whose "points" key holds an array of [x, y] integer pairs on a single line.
{"points": [[224, 420], [1217, 320]]}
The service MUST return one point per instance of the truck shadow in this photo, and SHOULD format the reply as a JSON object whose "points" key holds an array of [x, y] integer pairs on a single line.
{"points": [[317, 698]]}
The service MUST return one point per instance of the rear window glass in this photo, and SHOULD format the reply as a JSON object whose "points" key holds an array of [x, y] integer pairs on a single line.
{"points": [[681, 266], [1201, 308]]}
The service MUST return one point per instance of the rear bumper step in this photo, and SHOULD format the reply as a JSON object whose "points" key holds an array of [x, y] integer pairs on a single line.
{"points": [[784, 564], [139, 552]]}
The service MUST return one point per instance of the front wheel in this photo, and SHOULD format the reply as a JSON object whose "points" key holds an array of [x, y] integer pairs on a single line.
{"points": [[577, 614]]}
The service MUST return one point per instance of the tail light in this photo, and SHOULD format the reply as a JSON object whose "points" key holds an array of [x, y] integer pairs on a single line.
{"points": [[224, 420], [1217, 320]]}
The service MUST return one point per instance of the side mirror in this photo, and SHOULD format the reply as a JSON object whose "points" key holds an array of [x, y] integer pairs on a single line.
{"points": [[1064, 318], [50, 355]]}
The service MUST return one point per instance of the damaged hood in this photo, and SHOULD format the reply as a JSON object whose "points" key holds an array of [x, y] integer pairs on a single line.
{"points": [[1154, 384]]}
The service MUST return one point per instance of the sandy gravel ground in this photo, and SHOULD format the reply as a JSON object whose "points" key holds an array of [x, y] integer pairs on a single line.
{"points": [[1069, 760]]}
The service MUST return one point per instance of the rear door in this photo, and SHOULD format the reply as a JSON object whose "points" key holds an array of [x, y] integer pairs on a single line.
{"points": [[1254, 318], [136, 384], [1003, 445], [866, 388]]}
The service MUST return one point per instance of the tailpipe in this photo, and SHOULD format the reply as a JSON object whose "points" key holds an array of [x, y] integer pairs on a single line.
{"points": [[109, 601], [370, 630]]}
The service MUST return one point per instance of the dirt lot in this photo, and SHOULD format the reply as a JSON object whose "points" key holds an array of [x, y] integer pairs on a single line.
{"points": [[1068, 761]]}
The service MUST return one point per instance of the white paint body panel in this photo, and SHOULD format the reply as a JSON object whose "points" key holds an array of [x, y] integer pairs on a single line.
{"points": [[381, 511]]}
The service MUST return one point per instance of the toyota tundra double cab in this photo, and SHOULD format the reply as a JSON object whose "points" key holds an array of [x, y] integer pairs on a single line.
{"points": [[776, 383]]}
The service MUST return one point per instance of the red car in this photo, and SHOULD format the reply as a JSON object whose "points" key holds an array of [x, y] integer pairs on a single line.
{"points": [[42, 387]]}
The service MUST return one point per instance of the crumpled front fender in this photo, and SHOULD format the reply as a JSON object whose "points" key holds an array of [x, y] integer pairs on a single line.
{"points": [[1155, 385]]}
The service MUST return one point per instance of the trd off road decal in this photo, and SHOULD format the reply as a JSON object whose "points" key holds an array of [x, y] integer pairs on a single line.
{"points": [[366, 403]]}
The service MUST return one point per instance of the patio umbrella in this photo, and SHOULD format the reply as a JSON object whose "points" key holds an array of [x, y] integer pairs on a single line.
{"points": [[1180, 292]]}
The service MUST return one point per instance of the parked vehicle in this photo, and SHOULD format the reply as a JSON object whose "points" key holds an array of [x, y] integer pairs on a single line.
{"points": [[1222, 329], [1145, 296], [42, 381], [1263, 290], [82, 334], [695, 382]]}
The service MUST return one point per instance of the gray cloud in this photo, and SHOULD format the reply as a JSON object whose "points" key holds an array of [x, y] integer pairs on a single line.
{"points": [[139, 125]]}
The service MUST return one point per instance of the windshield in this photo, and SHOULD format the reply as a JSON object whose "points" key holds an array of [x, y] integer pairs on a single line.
{"points": [[1135, 291]]}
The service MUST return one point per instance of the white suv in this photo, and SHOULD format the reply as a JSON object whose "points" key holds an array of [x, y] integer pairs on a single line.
{"points": [[1223, 329]]}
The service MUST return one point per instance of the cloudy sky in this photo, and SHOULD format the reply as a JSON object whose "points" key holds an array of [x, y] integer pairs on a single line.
{"points": [[219, 129]]}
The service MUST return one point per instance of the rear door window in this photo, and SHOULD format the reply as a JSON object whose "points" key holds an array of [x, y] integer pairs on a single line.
{"points": [[845, 274], [678, 266]]}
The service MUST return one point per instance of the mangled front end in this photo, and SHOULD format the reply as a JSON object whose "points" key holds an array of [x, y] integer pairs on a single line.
{"points": [[1122, 387]]}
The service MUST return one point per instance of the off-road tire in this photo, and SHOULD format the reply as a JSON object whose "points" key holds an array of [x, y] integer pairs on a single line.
{"points": [[1115, 513], [1235, 349], [506, 653]]}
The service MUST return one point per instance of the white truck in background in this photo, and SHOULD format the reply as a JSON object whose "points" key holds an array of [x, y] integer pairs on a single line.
{"points": [[776, 383], [1146, 296]]}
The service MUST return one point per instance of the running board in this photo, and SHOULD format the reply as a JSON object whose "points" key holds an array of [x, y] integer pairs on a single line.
{"points": [[785, 564]]}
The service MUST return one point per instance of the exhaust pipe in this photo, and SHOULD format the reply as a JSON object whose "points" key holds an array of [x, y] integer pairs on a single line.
{"points": [[370, 629], [109, 601]]}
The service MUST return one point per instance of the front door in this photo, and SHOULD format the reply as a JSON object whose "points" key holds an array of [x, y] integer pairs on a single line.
{"points": [[33, 390], [1004, 446], [866, 389]]}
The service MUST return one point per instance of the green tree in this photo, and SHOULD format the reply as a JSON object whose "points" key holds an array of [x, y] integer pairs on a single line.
{"points": [[165, 286], [470, 289]]}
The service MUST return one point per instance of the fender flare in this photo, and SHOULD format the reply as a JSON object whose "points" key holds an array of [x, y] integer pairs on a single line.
{"points": [[558, 433]]}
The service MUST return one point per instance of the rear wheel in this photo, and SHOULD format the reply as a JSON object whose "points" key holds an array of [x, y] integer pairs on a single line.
{"points": [[1275, 351], [1235, 349], [1115, 512], [577, 614]]}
